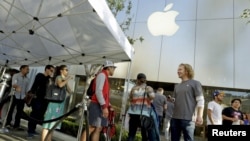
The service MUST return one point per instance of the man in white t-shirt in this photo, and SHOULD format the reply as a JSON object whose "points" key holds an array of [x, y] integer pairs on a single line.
{"points": [[214, 109]]}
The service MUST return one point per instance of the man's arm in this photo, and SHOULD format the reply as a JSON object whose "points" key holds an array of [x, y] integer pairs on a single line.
{"points": [[100, 79], [200, 104], [226, 116], [14, 83], [209, 114]]}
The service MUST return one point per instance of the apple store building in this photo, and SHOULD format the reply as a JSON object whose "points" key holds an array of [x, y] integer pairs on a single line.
{"points": [[211, 35]]}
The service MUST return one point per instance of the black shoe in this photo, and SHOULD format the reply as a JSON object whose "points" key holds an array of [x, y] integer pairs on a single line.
{"points": [[33, 134], [30, 136], [8, 126], [18, 129]]}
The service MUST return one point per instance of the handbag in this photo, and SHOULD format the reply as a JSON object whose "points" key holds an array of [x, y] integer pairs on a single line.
{"points": [[55, 94], [147, 122]]}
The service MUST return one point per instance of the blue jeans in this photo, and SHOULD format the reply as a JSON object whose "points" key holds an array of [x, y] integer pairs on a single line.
{"points": [[160, 122], [185, 126]]}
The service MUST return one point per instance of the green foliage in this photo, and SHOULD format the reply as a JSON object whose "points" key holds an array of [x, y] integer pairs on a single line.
{"points": [[70, 127], [118, 6], [246, 15]]}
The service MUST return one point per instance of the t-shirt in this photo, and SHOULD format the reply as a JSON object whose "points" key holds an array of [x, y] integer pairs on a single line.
{"points": [[159, 102], [231, 112], [169, 110], [216, 112], [185, 94]]}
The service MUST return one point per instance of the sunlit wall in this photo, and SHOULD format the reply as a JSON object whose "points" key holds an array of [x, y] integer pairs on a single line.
{"points": [[212, 38]]}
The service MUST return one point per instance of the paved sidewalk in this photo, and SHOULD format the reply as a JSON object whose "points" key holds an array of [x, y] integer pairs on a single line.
{"points": [[57, 136], [13, 135]]}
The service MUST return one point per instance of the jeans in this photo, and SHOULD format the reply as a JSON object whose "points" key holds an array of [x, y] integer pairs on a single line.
{"points": [[185, 126], [160, 122]]}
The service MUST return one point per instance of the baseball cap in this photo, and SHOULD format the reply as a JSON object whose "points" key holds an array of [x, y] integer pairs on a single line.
{"points": [[141, 75], [216, 92], [108, 63]]}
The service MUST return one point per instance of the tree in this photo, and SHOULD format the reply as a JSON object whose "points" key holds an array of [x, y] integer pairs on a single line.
{"points": [[119, 6], [246, 14], [116, 7]]}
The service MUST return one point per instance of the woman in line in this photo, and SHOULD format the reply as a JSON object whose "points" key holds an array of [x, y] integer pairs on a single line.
{"points": [[140, 97], [55, 110]]}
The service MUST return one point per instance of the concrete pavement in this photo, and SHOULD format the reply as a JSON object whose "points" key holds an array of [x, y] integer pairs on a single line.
{"points": [[57, 136], [13, 135]]}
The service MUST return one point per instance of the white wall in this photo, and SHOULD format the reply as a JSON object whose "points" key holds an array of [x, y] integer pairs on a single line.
{"points": [[212, 38]]}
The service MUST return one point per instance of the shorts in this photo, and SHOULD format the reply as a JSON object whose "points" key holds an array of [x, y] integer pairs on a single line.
{"points": [[95, 116]]}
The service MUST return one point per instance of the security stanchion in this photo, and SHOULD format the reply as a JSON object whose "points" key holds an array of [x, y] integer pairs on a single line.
{"points": [[3, 87], [4, 129], [84, 117]]}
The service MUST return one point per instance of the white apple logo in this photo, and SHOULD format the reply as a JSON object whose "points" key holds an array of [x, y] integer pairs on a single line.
{"points": [[163, 23]]}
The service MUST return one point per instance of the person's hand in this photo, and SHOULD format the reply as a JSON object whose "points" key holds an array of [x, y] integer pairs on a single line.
{"points": [[111, 108], [241, 122], [17, 88], [105, 112], [199, 120], [234, 119]]}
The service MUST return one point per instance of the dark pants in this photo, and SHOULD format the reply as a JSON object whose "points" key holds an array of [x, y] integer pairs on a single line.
{"points": [[39, 107], [134, 123], [160, 122], [179, 126], [19, 104]]}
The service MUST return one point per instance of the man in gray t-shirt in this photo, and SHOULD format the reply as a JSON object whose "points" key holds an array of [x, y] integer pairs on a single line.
{"points": [[159, 103], [188, 106]]}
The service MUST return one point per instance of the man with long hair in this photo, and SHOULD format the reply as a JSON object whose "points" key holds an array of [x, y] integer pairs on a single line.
{"points": [[189, 105]]}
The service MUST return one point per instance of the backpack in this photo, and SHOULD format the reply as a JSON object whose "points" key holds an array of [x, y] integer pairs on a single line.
{"points": [[91, 89]]}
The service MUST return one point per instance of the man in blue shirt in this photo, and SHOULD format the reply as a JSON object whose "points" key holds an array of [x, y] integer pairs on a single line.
{"points": [[20, 83]]}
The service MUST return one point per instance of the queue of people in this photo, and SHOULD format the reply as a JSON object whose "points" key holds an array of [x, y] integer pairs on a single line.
{"points": [[42, 109], [176, 116], [183, 111]]}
